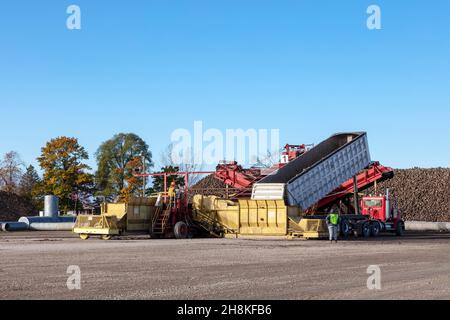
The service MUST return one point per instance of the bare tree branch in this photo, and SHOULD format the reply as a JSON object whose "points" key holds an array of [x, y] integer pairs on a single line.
{"points": [[167, 160], [10, 171]]}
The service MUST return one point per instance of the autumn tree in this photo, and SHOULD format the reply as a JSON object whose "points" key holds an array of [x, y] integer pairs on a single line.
{"points": [[134, 185], [116, 159], [10, 171], [65, 173]]}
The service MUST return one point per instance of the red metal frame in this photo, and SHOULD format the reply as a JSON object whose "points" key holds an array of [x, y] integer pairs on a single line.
{"points": [[167, 174]]}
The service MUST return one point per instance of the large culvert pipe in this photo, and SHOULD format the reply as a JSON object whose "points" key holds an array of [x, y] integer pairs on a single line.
{"points": [[14, 226], [52, 226], [65, 223], [30, 220]]}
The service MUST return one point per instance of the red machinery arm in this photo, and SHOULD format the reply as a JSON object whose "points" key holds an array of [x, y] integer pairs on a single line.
{"points": [[234, 175], [375, 173]]}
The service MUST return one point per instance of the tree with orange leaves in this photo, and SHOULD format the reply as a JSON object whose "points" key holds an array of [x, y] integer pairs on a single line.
{"points": [[65, 173], [134, 184]]}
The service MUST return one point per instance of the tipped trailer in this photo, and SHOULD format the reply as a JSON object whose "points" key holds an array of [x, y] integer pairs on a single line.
{"points": [[314, 174]]}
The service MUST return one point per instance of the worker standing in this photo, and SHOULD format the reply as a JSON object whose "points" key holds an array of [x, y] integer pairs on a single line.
{"points": [[333, 221], [172, 192], [172, 189]]}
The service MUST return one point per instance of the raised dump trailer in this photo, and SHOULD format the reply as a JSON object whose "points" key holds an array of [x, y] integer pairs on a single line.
{"points": [[316, 173]]}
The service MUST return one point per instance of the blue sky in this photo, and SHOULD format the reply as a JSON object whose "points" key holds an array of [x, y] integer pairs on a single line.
{"points": [[309, 68]]}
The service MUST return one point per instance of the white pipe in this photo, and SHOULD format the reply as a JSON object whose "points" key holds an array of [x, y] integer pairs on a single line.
{"points": [[52, 226]]}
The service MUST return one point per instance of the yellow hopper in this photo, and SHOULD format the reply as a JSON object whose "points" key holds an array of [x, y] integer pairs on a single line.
{"points": [[105, 226]]}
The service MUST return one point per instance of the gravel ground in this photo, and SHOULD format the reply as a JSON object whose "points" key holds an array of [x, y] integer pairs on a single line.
{"points": [[34, 265]]}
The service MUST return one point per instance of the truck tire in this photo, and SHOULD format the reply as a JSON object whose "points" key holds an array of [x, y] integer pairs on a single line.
{"points": [[365, 230], [181, 230], [400, 230], [375, 229], [345, 228]]}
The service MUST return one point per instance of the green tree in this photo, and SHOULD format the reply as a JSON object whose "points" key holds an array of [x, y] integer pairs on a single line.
{"points": [[65, 174], [113, 156], [158, 181], [29, 187], [29, 181]]}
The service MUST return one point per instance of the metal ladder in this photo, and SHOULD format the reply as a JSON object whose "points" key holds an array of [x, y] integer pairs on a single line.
{"points": [[160, 220], [210, 222]]}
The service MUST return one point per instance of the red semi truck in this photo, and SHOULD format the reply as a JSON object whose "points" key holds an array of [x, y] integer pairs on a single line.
{"points": [[380, 214], [377, 214]]}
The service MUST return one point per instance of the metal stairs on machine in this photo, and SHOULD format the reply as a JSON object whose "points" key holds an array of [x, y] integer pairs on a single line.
{"points": [[210, 224], [160, 221]]}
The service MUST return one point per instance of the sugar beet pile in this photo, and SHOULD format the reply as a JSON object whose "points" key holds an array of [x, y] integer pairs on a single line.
{"points": [[422, 194]]}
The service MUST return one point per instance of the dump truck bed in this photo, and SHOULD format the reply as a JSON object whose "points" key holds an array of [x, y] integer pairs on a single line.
{"points": [[318, 172]]}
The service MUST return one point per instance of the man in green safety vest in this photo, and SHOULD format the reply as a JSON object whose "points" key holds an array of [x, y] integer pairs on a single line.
{"points": [[333, 221]]}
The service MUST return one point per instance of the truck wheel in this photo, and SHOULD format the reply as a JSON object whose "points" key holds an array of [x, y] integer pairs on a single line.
{"points": [[375, 229], [106, 237], [365, 230], [400, 230], [181, 230], [345, 228]]}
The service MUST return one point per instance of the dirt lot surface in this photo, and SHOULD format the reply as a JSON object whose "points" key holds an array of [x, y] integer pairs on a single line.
{"points": [[34, 266]]}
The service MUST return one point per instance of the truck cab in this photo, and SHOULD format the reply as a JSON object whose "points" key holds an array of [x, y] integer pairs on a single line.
{"points": [[384, 210]]}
